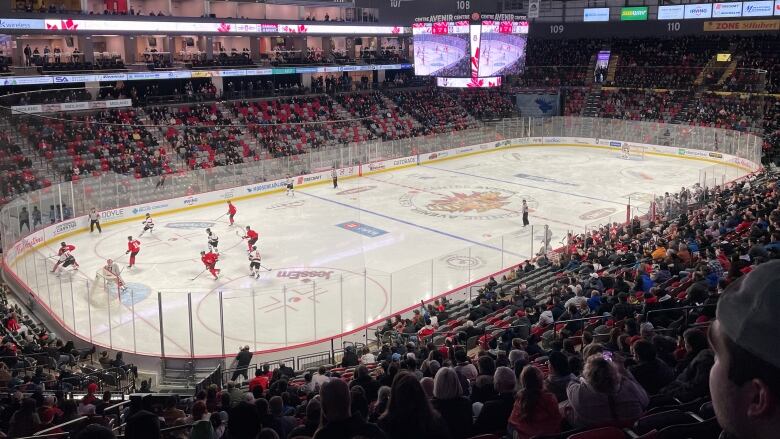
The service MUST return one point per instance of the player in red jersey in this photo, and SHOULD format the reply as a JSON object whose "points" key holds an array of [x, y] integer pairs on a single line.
{"points": [[252, 236], [64, 248], [210, 261], [133, 247], [231, 211]]}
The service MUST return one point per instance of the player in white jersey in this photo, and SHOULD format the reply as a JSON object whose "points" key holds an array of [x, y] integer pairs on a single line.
{"points": [[148, 223], [66, 260], [113, 268], [290, 188], [254, 263], [213, 240]]}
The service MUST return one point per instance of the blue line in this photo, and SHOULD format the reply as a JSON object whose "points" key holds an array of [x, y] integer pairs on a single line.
{"points": [[382, 215], [524, 185]]}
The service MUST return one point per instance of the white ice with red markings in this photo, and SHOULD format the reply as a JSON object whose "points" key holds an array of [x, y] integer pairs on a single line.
{"points": [[340, 258]]}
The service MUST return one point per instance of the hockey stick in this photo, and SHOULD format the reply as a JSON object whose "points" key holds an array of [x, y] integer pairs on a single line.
{"points": [[266, 268], [218, 218], [204, 270]]}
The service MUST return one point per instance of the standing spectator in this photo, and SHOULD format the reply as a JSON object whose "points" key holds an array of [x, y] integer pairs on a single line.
{"points": [[243, 359], [24, 219], [350, 358], [409, 413], [535, 411], [449, 401], [36, 214]]}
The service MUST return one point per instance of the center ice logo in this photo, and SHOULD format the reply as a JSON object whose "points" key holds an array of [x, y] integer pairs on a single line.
{"points": [[466, 202], [475, 201]]}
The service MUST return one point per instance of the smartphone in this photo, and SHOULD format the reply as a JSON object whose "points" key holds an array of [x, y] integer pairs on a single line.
{"points": [[607, 355]]}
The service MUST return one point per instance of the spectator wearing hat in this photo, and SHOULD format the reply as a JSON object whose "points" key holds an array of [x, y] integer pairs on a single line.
{"points": [[745, 378]]}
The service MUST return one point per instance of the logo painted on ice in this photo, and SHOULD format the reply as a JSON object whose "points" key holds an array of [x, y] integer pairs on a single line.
{"points": [[356, 190], [466, 202], [302, 274], [598, 213], [540, 179]]}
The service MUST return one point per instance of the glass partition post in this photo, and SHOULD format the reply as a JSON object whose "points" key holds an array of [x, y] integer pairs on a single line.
{"points": [[132, 311], [222, 324], [160, 317], [110, 323], [254, 320], [284, 307], [365, 296], [314, 306], [341, 302], [89, 311], [189, 315]]}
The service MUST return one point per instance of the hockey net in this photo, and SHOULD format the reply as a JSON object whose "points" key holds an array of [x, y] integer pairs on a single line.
{"points": [[105, 288]]}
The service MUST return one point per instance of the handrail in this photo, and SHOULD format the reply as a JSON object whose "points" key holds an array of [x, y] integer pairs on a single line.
{"points": [[72, 421], [117, 405], [37, 436]]}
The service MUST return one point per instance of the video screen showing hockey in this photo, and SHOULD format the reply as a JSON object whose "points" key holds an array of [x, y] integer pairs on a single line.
{"points": [[502, 47], [442, 49]]}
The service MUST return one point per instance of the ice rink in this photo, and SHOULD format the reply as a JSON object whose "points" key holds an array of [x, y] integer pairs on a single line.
{"points": [[342, 258]]}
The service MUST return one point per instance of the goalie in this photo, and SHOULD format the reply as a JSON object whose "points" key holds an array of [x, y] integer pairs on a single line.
{"points": [[112, 268]]}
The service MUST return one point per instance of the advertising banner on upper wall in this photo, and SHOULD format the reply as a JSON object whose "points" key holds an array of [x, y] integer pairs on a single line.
{"points": [[727, 10], [698, 11], [757, 9], [596, 14], [674, 12], [633, 13]]}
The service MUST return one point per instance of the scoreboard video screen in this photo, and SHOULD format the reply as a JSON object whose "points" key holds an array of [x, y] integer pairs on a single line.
{"points": [[469, 53], [502, 47], [442, 49]]}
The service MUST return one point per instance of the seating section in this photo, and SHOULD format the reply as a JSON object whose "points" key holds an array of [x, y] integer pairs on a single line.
{"points": [[436, 111], [485, 104], [644, 105], [732, 112]]}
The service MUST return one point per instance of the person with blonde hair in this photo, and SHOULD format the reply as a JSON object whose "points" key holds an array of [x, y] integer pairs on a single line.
{"points": [[448, 399]]}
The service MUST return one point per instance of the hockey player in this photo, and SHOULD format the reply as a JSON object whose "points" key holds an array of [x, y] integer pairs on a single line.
{"points": [[65, 261], [94, 221], [210, 261], [335, 176], [133, 247], [213, 240], [252, 236], [254, 263], [231, 212], [63, 249], [290, 188], [148, 225], [113, 268]]}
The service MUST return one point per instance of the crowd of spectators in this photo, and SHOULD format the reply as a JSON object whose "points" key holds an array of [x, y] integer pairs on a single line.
{"points": [[436, 111], [733, 112], [485, 104], [620, 329], [643, 105]]}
